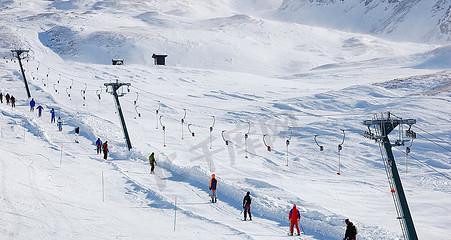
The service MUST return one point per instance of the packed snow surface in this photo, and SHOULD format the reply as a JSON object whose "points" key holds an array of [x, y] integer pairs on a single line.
{"points": [[234, 67]]}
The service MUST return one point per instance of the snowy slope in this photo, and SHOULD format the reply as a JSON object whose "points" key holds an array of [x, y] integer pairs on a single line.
{"points": [[408, 20], [224, 61]]}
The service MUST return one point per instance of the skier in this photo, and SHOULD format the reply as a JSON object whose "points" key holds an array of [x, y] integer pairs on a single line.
{"points": [[1, 97], [351, 231], [294, 216], [105, 150], [52, 115], [13, 101], [247, 206], [77, 132], [152, 162], [213, 185], [7, 97], [59, 123], [32, 104], [39, 108], [99, 145]]}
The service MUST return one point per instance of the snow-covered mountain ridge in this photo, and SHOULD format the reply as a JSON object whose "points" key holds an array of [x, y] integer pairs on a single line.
{"points": [[408, 20]]}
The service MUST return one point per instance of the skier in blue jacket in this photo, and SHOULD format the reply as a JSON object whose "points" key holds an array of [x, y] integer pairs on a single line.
{"points": [[99, 146], [52, 113], [32, 104]]}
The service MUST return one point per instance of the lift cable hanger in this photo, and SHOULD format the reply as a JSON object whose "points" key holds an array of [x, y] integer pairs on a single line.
{"points": [[226, 141], [183, 120], [268, 147], [287, 142], [340, 147], [321, 148], [157, 112], [83, 94], [246, 136], [163, 127], [211, 130], [98, 93], [189, 129]]}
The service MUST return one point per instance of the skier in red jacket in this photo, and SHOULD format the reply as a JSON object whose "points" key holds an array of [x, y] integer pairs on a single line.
{"points": [[294, 216]]}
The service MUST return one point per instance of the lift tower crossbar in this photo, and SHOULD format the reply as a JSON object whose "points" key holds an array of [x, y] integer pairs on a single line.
{"points": [[114, 87], [381, 129]]}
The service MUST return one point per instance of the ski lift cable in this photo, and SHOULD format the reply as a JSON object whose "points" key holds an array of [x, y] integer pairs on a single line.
{"points": [[249, 134], [277, 125], [433, 142], [60, 72], [445, 175], [214, 108]]}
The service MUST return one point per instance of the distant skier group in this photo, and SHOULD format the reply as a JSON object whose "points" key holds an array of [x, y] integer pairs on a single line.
{"points": [[102, 148], [10, 99]]}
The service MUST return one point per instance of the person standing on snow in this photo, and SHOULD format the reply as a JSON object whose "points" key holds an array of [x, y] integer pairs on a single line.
{"points": [[59, 123], [52, 115], [351, 231], [1, 97], [32, 104], [213, 185], [13, 101], [99, 146], [247, 206], [77, 133], [294, 216], [7, 97], [39, 108], [152, 162], [105, 150]]}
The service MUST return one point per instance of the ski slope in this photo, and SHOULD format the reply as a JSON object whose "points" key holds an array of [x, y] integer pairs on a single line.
{"points": [[226, 60]]}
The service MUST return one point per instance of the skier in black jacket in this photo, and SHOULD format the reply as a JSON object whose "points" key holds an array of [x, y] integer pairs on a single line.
{"points": [[351, 231], [247, 206]]}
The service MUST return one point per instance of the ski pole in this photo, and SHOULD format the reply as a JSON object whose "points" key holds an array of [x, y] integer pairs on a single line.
{"points": [[302, 229]]}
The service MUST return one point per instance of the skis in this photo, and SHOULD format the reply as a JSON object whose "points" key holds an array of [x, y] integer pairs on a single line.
{"points": [[296, 236]]}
